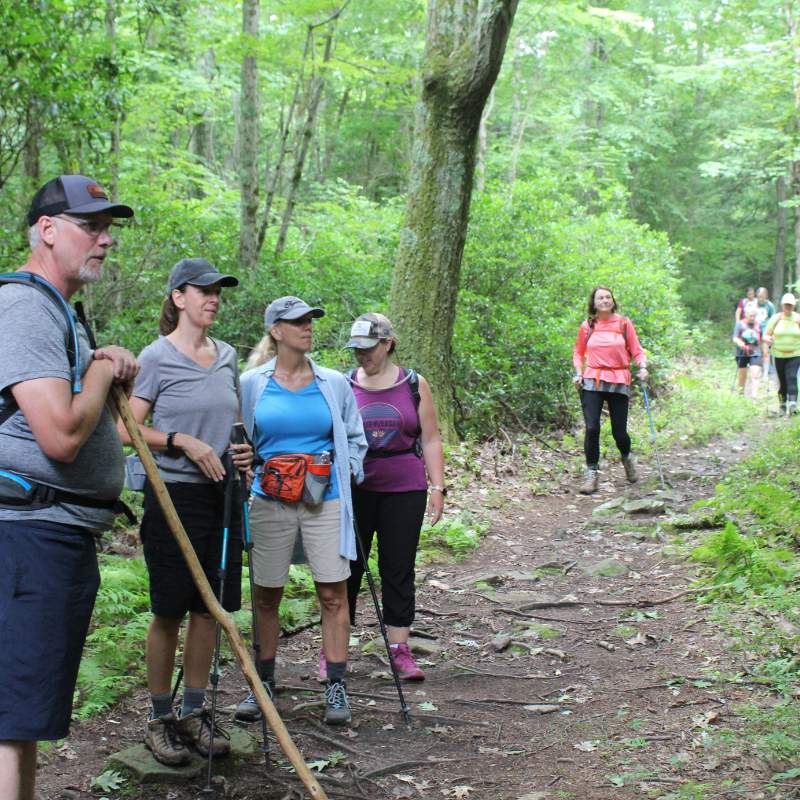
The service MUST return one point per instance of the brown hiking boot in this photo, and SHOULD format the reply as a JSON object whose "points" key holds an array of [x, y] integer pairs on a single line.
{"points": [[630, 469], [195, 730], [163, 740], [590, 480]]}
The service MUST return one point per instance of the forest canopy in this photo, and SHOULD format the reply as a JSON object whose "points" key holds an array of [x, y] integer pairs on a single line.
{"points": [[646, 145]]}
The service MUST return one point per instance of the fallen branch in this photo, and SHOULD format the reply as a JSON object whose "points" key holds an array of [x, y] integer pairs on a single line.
{"points": [[659, 601], [433, 613], [421, 762]]}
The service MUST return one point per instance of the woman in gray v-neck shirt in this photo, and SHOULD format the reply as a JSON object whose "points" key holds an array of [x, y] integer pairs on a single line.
{"points": [[188, 386]]}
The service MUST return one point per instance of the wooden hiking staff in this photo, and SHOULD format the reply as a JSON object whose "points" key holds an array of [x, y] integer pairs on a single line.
{"points": [[209, 598]]}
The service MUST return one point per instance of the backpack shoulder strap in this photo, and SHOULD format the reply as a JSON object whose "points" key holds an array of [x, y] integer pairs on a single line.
{"points": [[624, 323], [413, 385], [351, 374], [54, 296]]}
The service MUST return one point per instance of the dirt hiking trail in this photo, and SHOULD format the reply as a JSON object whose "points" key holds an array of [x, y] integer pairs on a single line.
{"points": [[562, 661]]}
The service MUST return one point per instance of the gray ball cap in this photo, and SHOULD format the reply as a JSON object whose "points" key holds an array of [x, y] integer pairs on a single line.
{"points": [[289, 307], [73, 194], [197, 272], [368, 330]]}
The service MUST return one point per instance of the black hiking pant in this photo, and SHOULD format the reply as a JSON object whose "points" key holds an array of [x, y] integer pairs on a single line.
{"points": [[787, 377], [397, 519], [592, 403]]}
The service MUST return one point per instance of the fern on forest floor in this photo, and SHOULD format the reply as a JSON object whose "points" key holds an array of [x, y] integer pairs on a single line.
{"points": [[753, 564]]}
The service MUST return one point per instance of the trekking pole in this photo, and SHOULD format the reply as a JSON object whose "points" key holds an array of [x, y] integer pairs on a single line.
{"points": [[239, 436], [362, 553], [230, 484], [653, 435], [212, 604]]}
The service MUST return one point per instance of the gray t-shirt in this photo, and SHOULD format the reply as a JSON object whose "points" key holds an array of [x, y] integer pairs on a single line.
{"points": [[33, 344], [188, 398]]}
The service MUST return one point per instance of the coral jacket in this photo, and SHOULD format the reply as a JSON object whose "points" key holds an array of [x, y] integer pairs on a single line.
{"points": [[607, 350]]}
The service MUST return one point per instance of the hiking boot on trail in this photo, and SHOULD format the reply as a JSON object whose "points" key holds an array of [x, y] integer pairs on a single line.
{"points": [[630, 469], [791, 406], [590, 481], [248, 710], [337, 707], [195, 729], [164, 741], [405, 663]]}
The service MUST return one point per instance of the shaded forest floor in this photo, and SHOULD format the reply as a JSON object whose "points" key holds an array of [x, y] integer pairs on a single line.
{"points": [[562, 661]]}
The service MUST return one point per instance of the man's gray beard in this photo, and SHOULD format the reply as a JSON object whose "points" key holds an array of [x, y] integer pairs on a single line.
{"points": [[89, 275]]}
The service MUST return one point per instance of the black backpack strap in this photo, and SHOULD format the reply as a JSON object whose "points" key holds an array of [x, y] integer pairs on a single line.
{"points": [[413, 385]]}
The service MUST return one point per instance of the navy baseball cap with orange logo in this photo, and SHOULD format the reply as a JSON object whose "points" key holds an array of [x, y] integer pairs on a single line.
{"points": [[73, 194]]}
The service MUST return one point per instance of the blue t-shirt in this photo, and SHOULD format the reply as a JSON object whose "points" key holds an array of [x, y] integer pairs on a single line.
{"points": [[293, 422]]}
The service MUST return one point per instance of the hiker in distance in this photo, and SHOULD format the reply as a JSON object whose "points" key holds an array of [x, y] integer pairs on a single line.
{"points": [[61, 469], [750, 297], [605, 345], [309, 442], [189, 385], [405, 450], [783, 338], [747, 338]]}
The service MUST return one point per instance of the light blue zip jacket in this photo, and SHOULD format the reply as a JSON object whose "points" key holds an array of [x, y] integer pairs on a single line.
{"points": [[349, 441]]}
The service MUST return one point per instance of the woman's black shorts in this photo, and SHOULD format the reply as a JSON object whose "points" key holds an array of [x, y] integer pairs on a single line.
{"points": [[748, 361], [200, 508]]}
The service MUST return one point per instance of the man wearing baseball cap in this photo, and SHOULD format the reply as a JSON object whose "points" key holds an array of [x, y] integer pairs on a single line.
{"points": [[60, 453]]}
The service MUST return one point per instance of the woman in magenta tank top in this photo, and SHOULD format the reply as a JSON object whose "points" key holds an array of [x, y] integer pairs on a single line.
{"points": [[405, 451]]}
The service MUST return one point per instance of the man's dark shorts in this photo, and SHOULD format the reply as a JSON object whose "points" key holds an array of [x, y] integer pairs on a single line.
{"points": [[48, 583], [200, 509]]}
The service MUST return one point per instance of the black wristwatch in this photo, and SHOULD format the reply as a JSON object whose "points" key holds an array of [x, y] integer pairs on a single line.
{"points": [[172, 450]]}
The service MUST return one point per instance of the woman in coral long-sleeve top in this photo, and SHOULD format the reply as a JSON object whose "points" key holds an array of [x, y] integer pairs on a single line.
{"points": [[604, 348]]}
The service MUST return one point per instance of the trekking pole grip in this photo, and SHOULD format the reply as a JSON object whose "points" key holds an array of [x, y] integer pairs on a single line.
{"points": [[215, 609]]}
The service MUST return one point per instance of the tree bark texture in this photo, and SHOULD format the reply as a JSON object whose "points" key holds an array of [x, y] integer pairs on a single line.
{"points": [[248, 140], [779, 269], [791, 19], [464, 48]]}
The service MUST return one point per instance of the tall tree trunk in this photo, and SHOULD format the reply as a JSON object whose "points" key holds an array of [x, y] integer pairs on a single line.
{"points": [[791, 19], [333, 136], [203, 130], [464, 48], [248, 140], [317, 85], [285, 129], [779, 268], [480, 167], [111, 35]]}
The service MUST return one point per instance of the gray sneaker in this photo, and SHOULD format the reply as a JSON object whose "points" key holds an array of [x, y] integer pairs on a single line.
{"points": [[630, 469], [337, 707], [248, 710], [165, 743], [590, 480]]}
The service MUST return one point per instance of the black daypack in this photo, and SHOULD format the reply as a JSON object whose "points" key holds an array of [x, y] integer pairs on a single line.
{"points": [[413, 385], [18, 491]]}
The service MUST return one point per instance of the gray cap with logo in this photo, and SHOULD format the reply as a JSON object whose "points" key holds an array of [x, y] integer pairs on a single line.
{"points": [[289, 308], [73, 194], [368, 329], [197, 272]]}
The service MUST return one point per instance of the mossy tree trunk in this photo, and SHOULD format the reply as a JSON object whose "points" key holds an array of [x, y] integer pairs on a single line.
{"points": [[464, 48]]}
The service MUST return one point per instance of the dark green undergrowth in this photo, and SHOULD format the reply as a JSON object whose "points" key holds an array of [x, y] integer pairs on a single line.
{"points": [[752, 565]]}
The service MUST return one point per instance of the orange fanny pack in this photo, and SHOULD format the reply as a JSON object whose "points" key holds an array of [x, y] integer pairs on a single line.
{"points": [[296, 477]]}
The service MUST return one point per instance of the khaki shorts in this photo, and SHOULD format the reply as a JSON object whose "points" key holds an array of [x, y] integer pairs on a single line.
{"points": [[274, 527]]}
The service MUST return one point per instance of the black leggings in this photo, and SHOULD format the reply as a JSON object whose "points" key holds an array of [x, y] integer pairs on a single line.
{"points": [[787, 377], [397, 518], [592, 403]]}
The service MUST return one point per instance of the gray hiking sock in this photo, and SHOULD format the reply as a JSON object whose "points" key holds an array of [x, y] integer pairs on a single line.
{"points": [[192, 700], [336, 670], [162, 704], [266, 670]]}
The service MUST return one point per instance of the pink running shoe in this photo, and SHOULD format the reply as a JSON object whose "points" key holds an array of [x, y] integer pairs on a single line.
{"points": [[405, 663]]}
